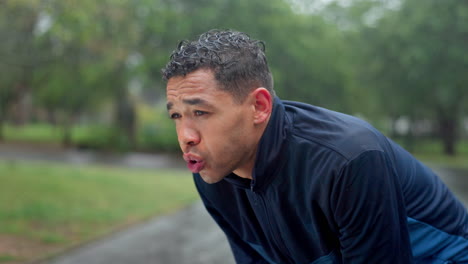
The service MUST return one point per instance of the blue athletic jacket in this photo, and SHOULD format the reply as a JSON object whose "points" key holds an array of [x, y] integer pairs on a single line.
{"points": [[329, 188]]}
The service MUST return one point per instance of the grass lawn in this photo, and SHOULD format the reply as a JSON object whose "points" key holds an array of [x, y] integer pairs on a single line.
{"points": [[46, 207], [157, 133], [460, 161], [431, 152], [33, 133]]}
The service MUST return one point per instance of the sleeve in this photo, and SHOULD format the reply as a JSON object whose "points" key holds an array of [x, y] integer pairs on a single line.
{"points": [[369, 209], [243, 252]]}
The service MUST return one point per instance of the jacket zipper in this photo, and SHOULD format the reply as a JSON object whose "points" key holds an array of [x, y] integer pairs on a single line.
{"points": [[276, 238]]}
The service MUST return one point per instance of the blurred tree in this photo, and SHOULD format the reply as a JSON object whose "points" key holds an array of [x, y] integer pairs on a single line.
{"points": [[419, 62], [308, 56], [18, 52], [352, 19], [311, 63], [353, 56], [91, 43]]}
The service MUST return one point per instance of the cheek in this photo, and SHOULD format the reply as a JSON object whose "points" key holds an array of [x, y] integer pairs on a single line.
{"points": [[227, 131], [233, 133], [243, 127], [237, 136]]}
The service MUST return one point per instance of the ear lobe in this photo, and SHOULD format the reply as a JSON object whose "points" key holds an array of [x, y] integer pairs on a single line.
{"points": [[263, 105]]}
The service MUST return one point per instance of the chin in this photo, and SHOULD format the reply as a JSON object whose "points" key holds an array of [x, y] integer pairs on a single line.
{"points": [[210, 179]]}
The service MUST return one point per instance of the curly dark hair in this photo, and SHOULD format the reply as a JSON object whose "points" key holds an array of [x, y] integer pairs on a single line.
{"points": [[238, 62]]}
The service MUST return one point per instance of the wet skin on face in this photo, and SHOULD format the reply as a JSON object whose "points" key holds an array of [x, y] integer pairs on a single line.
{"points": [[216, 134]]}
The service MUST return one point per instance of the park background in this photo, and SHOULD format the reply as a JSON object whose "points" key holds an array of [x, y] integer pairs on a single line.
{"points": [[85, 75]]}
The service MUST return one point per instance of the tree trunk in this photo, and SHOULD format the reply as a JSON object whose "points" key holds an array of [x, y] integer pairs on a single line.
{"points": [[6, 97], [66, 138], [1, 128], [125, 112], [51, 116], [126, 120], [409, 137], [448, 134]]}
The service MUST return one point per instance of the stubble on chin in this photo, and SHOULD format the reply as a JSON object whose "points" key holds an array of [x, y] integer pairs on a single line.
{"points": [[211, 180]]}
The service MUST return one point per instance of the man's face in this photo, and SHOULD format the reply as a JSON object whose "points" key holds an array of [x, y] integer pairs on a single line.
{"points": [[216, 134]]}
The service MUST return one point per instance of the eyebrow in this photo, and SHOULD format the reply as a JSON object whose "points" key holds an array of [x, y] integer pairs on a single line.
{"points": [[194, 101]]}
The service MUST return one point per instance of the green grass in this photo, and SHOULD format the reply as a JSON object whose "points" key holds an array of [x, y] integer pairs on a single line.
{"points": [[157, 134], [42, 133], [7, 258], [94, 136], [63, 204], [431, 152], [154, 132], [460, 161]]}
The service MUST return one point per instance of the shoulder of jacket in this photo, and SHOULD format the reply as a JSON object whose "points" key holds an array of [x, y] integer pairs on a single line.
{"points": [[343, 134]]}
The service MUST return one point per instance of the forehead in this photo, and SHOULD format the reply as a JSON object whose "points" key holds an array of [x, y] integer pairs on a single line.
{"points": [[194, 80], [198, 84]]}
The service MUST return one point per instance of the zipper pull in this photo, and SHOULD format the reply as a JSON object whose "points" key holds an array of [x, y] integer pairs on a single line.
{"points": [[254, 195]]}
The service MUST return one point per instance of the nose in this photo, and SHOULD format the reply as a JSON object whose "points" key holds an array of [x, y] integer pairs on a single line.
{"points": [[188, 136]]}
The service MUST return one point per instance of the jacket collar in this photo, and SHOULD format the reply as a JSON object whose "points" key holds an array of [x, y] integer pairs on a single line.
{"points": [[270, 153]]}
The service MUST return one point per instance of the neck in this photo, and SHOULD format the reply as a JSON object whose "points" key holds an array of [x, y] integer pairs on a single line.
{"points": [[247, 169], [246, 174]]}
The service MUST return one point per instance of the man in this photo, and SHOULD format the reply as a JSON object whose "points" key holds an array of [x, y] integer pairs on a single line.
{"points": [[293, 183]]}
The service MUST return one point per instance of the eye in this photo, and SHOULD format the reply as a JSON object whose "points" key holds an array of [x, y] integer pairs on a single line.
{"points": [[174, 116], [199, 113]]}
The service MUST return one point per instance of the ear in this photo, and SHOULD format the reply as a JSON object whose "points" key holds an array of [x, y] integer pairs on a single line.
{"points": [[263, 104]]}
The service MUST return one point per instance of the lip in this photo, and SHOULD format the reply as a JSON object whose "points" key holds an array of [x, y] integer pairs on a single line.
{"points": [[194, 162]]}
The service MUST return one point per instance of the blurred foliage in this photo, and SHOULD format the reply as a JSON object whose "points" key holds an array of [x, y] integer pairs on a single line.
{"points": [[155, 132], [418, 60], [380, 59]]}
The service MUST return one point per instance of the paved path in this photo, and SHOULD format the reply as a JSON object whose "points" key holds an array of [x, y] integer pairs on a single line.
{"points": [[187, 237], [457, 181]]}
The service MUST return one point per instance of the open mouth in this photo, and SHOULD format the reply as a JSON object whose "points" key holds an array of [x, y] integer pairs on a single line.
{"points": [[194, 163], [195, 166]]}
